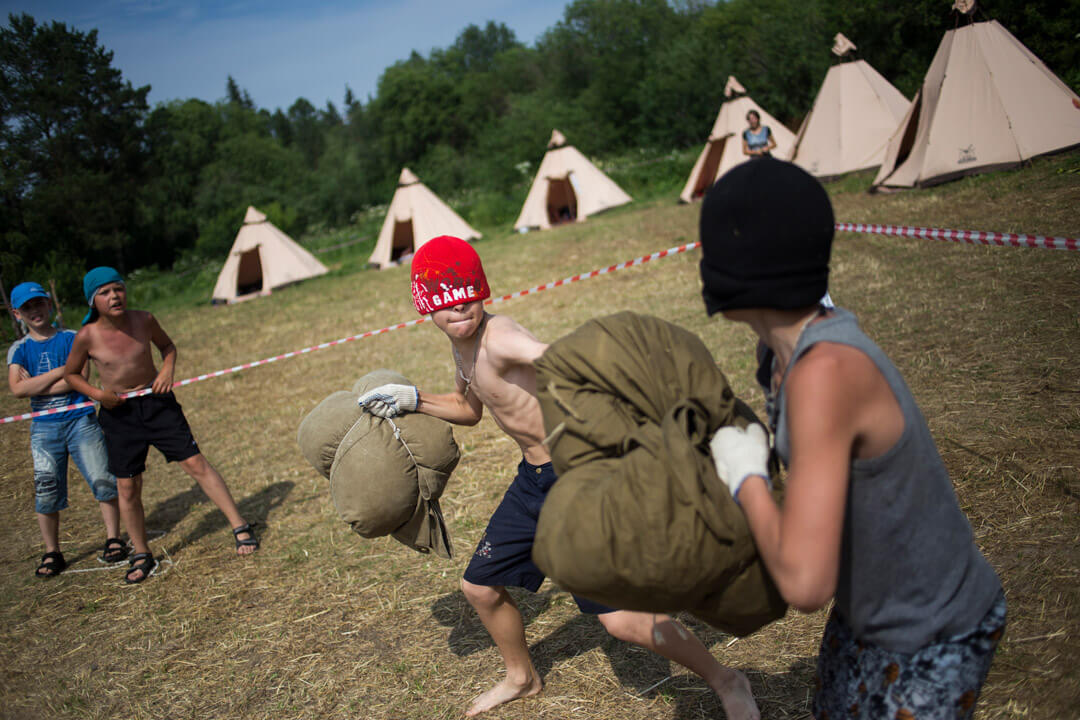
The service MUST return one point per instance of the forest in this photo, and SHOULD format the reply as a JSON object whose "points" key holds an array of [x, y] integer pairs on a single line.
{"points": [[93, 175]]}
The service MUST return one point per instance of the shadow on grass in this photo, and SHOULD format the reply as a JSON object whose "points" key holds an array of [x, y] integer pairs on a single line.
{"points": [[254, 508], [642, 673]]}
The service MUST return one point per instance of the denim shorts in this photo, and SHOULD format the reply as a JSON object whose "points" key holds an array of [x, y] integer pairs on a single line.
{"points": [[504, 554], [50, 445]]}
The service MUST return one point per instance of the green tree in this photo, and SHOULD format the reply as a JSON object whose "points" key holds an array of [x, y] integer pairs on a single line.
{"points": [[72, 149]]}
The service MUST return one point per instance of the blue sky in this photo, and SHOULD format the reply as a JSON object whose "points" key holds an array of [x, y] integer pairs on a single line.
{"points": [[278, 50]]}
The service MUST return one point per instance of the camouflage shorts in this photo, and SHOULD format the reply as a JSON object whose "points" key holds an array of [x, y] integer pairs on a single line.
{"points": [[861, 680]]}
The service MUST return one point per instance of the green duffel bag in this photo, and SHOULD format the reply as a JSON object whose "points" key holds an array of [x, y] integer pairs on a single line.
{"points": [[386, 475], [638, 518]]}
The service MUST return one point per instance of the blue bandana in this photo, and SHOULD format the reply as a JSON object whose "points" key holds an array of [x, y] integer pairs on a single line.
{"points": [[93, 282]]}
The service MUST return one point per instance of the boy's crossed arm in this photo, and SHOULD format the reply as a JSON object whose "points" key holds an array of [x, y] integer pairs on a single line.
{"points": [[53, 382]]}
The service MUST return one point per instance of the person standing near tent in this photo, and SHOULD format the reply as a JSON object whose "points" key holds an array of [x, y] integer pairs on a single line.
{"points": [[118, 340], [494, 357], [757, 140], [36, 370], [870, 516]]}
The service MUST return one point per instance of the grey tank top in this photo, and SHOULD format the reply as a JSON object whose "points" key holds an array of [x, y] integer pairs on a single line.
{"points": [[910, 574]]}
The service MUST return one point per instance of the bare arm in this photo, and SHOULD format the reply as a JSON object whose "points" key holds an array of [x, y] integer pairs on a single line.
{"points": [[800, 543], [746, 147], [458, 407], [164, 381], [23, 385], [76, 371], [772, 142]]}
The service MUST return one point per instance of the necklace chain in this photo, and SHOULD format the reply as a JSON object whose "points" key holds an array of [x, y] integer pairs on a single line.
{"points": [[476, 355]]}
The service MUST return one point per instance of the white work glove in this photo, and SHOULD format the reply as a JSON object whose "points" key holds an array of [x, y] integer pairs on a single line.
{"points": [[738, 454], [388, 401]]}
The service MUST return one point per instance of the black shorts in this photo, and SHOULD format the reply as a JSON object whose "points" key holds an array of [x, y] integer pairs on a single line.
{"points": [[137, 423], [504, 554]]}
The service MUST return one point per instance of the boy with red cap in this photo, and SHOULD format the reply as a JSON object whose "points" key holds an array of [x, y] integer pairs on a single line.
{"points": [[494, 357]]}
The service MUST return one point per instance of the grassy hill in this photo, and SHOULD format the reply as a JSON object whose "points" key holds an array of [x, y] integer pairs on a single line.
{"points": [[322, 623]]}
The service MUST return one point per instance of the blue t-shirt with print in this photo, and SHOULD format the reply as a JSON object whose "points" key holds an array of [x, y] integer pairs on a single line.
{"points": [[38, 357]]}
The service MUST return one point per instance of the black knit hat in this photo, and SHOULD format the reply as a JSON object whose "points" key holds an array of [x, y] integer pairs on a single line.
{"points": [[766, 231]]}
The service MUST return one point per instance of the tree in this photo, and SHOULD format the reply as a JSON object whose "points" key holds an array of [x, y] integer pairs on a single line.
{"points": [[72, 147]]}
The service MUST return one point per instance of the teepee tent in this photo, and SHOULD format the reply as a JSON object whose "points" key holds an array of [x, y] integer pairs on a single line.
{"points": [[567, 188], [723, 150], [262, 258], [854, 114], [415, 216], [986, 103]]}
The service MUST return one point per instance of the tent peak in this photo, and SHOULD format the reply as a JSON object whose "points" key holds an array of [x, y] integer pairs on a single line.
{"points": [[842, 46], [557, 140], [733, 87], [407, 177], [253, 216]]}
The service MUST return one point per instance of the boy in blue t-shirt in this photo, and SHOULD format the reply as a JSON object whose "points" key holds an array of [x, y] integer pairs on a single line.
{"points": [[36, 370]]}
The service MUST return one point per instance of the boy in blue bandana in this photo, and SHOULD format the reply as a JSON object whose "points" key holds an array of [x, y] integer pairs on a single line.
{"points": [[118, 340], [36, 370]]}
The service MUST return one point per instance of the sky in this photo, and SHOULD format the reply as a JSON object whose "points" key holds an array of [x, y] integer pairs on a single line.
{"points": [[277, 50]]}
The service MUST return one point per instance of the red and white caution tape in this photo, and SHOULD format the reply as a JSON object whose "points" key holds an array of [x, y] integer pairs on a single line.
{"points": [[369, 333], [972, 237]]}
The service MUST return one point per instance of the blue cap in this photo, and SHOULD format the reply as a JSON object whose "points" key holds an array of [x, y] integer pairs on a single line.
{"points": [[93, 282], [24, 292]]}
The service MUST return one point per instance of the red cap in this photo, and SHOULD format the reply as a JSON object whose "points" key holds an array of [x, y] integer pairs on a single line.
{"points": [[446, 271]]}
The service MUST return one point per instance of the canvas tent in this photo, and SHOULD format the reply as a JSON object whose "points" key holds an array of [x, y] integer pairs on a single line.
{"points": [[854, 114], [415, 216], [986, 103], [262, 258], [723, 150], [567, 188]]}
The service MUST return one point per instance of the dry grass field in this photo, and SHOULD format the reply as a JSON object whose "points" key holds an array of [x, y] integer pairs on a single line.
{"points": [[324, 624]]}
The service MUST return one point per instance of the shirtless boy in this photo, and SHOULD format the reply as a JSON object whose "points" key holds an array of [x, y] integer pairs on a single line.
{"points": [[118, 341], [494, 357]]}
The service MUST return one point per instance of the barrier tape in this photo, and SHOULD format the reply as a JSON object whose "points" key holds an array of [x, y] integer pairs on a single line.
{"points": [[971, 237], [369, 333]]}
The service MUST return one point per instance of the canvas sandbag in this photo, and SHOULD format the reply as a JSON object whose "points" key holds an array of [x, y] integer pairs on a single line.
{"points": [[638, 519], [386, 475]]}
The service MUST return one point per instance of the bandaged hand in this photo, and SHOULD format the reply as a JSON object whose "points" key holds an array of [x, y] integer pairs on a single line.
{"points": [[740, 453], [391, 400]]}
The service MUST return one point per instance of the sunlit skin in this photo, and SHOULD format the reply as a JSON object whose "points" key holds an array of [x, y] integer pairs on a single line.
{"points": [[504, 381], [840, 408], [119, 343], [754, 120], [36, 314]]}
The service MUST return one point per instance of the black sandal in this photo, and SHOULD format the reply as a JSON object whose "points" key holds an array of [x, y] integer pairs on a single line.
{"points": [[53, 562], [115, 551], [250, 541], [143, 562]]}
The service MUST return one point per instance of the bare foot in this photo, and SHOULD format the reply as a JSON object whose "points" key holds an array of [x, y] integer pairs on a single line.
{"points": [[504, 692], [736, 696]]}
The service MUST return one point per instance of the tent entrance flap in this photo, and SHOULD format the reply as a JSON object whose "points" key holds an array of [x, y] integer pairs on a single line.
{"points": [[249, 274], [707, 176], [561, 201], [908, 141], [403, 239]]}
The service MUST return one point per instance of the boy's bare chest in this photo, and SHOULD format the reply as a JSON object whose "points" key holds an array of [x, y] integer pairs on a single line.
{"points": [[121, 349]]}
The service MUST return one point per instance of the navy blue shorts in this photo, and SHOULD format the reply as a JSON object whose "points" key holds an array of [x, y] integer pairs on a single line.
{"points": [[504, 555], [139, 422]]}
